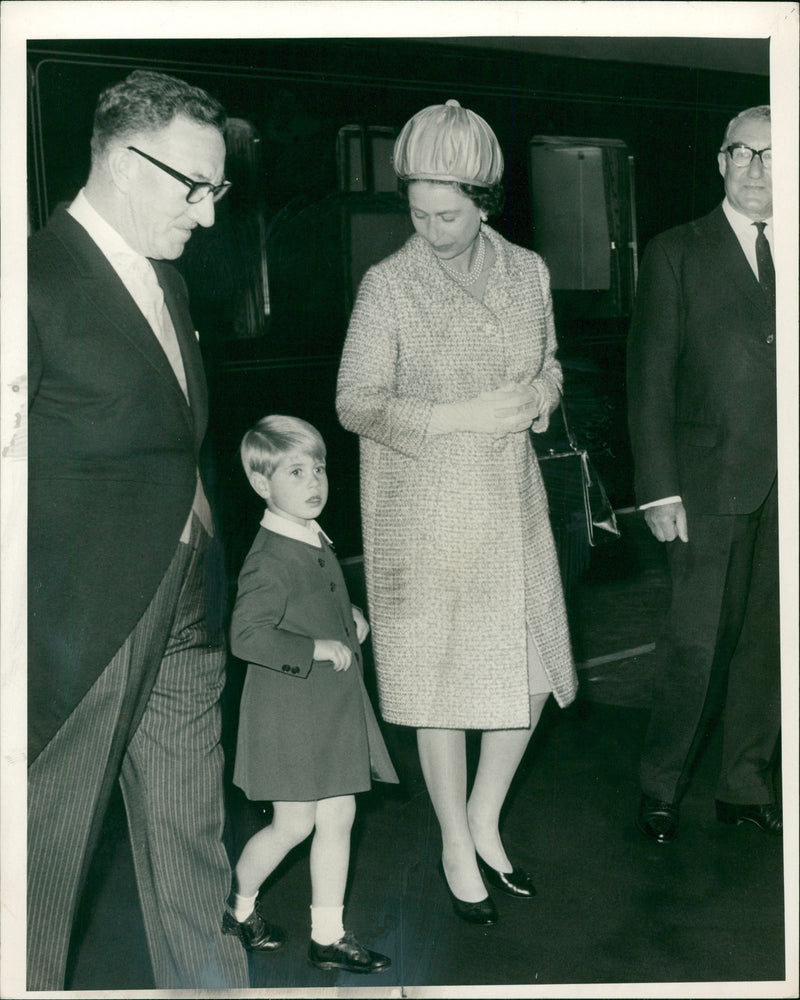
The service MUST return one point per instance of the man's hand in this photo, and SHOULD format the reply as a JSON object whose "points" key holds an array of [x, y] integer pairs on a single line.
{"points": [[333, 650], [667, 521]]}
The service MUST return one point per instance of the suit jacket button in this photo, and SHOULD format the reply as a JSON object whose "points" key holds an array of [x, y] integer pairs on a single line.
{"points": [[333, 586], [286, 667], [770, 338], [295, 670]]}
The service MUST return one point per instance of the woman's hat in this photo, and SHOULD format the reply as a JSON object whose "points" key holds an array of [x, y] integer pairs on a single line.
{"points": [[446, 142]]}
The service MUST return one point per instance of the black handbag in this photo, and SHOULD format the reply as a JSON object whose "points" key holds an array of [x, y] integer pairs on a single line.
{"points": [[573, 486], [581, 514]]}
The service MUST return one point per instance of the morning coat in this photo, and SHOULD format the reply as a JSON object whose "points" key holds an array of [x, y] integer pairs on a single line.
{"points": [[458, 551], [306, 731], [113, 451], [701, 373]]}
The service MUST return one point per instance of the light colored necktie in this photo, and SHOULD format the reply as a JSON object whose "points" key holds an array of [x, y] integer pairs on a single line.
{"points": [[151, 302], [150, 299]]}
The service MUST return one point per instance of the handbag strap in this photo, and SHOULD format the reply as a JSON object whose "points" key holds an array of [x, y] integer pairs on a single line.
{"points": [[570, 436], [582, 453]]}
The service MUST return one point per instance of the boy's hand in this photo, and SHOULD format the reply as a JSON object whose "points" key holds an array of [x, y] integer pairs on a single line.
{"points": [[333, 650], [362, 625]]}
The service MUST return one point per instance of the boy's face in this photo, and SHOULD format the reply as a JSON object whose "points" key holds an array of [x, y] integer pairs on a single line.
{"points": [[297, 488]]}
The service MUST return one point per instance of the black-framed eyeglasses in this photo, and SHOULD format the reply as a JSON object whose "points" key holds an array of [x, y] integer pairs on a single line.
{"points": [[742, 155], [198, 190]]}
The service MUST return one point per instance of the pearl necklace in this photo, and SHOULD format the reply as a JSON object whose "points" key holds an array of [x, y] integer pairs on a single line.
{"points": [[474, 272]]}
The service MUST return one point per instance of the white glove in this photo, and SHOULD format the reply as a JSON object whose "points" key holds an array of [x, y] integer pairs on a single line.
{"points": [[507, 410]]}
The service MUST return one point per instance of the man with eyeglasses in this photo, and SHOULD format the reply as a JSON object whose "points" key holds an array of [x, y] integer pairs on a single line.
{"points": [[702, 414], [124, 673]]}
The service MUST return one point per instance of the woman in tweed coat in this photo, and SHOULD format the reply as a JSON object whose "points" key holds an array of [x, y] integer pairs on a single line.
{"points": [[449, 361]]}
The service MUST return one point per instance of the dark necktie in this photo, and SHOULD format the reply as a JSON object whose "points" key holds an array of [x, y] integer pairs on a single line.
{"points": [[766, 269]]}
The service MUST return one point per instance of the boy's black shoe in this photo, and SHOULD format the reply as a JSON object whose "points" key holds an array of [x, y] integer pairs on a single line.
{"points": [[347, 954], [254, 932]]}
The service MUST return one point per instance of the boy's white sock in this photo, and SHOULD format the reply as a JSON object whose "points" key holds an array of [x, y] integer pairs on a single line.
{"points": [[326, 924], [242, 906]]}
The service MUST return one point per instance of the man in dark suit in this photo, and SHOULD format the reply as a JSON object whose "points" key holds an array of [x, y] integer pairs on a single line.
{"points": [[124, 674], [702, 413]]}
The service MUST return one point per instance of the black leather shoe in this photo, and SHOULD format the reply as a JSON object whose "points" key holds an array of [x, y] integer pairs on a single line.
{"points": [[658, 820], [768, 818], [254, 933], [482, 912], [347, 954], [517, 882]]}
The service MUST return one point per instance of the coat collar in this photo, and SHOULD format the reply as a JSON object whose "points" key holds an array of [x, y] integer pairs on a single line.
{"points": [[101, 284], [423, 260], [716, 232]]}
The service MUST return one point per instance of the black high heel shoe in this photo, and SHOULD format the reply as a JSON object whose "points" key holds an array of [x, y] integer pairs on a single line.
{"points": [[516, 883], [482, 912]]}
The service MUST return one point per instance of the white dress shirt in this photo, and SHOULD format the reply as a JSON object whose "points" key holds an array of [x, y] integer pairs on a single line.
{"points": [[137, 275]]}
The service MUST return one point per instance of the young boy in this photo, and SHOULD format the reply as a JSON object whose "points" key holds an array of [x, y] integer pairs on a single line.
{"points": [[308, 739]]}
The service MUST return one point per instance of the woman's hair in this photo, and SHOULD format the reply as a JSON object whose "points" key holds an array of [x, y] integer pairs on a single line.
{"points": [[272, 437], [489, 200], [146, 101]]}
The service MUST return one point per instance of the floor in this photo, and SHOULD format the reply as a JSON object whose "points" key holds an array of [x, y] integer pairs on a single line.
{"points": [[611, 906]]}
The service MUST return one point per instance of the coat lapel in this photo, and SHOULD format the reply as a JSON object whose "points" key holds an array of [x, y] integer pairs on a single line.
{"points": [[101, 285], [449, 292], [729, 259], [178, 307]]}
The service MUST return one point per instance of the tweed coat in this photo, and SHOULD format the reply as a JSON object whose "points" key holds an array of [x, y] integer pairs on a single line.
{"points": [[458, 550], [306, 731]]}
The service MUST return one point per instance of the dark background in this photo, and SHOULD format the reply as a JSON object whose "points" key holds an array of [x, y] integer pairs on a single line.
{"points": [[668, 100], [614, 908]]}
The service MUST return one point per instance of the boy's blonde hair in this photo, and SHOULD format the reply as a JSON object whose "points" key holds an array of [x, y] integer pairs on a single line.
{"points": [[272, 437]]}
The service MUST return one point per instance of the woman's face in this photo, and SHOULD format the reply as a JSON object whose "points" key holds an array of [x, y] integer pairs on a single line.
{"points": [[443, 216]]}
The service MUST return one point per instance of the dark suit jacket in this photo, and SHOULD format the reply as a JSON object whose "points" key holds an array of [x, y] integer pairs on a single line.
{"points": [[113, 449], [701, 373]]}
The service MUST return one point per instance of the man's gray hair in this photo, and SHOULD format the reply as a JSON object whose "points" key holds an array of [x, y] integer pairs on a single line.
{"points": [[759, 113], [146, 101]]}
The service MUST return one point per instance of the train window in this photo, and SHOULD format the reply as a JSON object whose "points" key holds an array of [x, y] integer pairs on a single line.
{"points": [[225, 266], [373, 231], [375, 220], [364, 158], [584, 220]]}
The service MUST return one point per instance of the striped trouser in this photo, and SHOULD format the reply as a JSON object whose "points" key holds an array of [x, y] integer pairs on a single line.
{"points": [[170, 770]]}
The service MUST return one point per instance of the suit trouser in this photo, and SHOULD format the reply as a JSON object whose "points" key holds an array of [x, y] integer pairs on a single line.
{"points": [[152, 719], [721, 648]]}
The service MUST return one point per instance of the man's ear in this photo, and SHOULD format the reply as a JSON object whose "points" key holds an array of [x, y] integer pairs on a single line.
{"points": [[260, 484], [722, 160], [122, 167]]}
